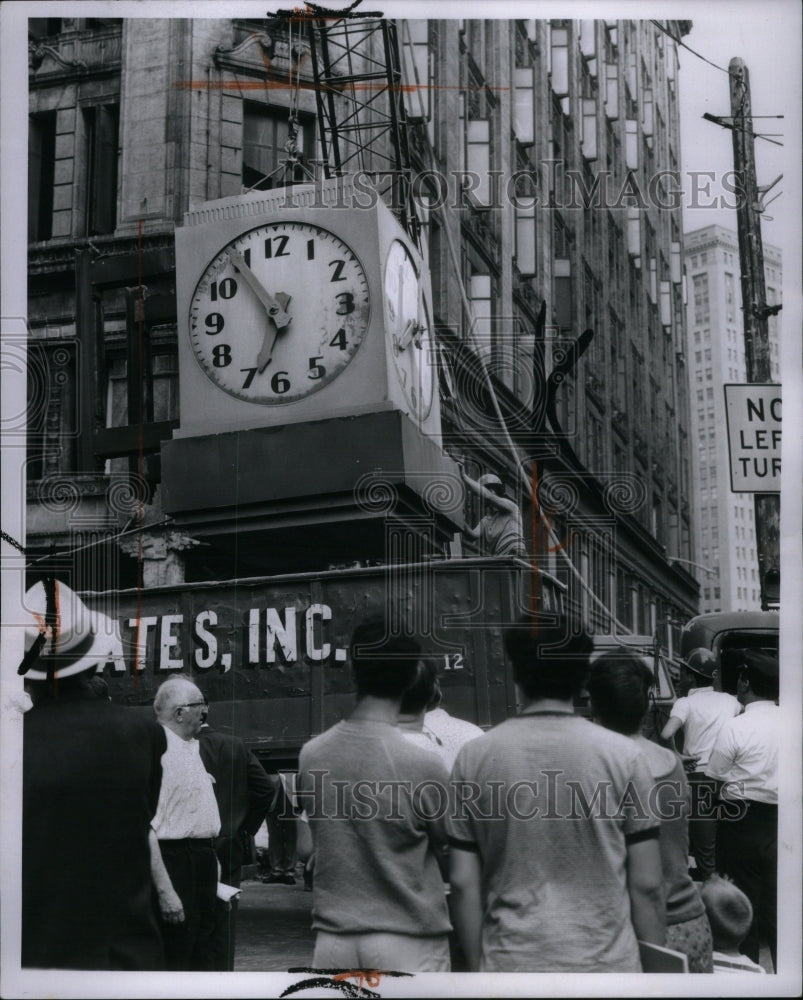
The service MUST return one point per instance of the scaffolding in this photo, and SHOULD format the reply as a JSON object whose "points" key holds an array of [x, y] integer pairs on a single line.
{"points": [[361, 113]]}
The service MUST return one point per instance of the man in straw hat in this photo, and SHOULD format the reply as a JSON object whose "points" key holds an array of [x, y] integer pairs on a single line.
{"points": [[700, 714], [91, 778]]}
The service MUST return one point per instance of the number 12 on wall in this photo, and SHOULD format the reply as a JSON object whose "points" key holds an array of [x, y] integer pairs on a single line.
{"points": [[453, 661]]}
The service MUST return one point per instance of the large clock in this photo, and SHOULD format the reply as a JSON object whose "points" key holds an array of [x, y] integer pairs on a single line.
{"points": [[407, 326], [301, 304], [280, 311]]}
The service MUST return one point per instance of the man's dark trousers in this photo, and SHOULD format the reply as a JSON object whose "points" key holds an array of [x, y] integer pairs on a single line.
{"points": [[703, 823], [192, 867], [747, 850]]}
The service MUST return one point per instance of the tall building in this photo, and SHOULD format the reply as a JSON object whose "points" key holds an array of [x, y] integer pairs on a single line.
{"points": [[551, 148], [724, 523]]}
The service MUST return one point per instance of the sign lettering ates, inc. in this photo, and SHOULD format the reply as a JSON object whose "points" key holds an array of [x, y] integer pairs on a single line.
{"points": [[269, 636], [269, 627], [754, 437]]}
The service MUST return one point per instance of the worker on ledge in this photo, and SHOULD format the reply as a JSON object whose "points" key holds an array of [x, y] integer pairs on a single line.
{"points": [[499, 531]]}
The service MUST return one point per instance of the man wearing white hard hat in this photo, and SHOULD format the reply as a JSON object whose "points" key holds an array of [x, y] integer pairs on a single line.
{"points": [[499, 531], [700, 714], [91, 779]]}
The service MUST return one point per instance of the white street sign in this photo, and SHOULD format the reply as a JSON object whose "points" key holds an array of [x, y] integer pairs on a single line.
{"points": [[754, 437]]}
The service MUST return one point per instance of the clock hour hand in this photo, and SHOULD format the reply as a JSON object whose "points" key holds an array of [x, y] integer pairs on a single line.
{"points": [[266, 353], [410, 334], [274, 308], [413, 328]]}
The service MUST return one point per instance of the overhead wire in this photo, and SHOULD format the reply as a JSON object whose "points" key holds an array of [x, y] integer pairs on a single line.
{"points": [[81, 548], [734, 76], [679, 41]]}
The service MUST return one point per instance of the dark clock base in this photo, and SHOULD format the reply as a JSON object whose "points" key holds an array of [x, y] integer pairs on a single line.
{"points": [[369, 488]]}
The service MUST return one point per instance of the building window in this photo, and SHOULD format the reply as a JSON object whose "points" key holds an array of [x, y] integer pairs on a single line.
{"points": [[101, 125], [41, 174], [53, 422], [265, 135], [524, 106], [657, 521], [480, 293], [478, 159], [160, 395], [730, 298], [702, 312], [595, 439]]}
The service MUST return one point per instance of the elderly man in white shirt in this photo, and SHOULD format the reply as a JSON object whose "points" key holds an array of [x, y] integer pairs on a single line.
{"points": [[186, 824], [745, 758]]}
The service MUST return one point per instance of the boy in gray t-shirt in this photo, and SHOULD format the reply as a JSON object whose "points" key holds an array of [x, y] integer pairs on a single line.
{"points": [[376, 805], [555, 864]]}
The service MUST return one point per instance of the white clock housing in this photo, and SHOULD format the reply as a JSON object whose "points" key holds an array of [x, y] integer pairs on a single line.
{"points": [[300, 304]]}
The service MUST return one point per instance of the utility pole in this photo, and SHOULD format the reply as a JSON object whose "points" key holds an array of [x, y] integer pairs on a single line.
{"points": [[767, 506]]}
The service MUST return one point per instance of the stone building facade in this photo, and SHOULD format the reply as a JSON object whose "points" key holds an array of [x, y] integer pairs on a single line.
{"points": [[554, 147]]}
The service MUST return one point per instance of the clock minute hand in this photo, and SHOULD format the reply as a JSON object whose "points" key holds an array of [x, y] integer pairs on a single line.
{"points": [[274, 309]]}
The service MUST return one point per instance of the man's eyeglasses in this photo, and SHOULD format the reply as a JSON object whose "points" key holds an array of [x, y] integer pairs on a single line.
{"points": [[195, 704]]}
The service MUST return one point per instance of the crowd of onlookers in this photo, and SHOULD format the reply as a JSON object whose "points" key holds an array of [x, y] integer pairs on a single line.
{"points": [[552, 842]]}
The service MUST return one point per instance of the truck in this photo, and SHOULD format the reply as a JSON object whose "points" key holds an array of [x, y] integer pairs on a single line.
{"points": [[726, 634], [271, 653]]}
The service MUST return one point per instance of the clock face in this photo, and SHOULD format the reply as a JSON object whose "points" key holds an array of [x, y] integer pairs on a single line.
{"points": [[408, 325], [279, 312]]}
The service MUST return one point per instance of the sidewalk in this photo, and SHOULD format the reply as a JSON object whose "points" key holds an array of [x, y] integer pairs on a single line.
{"points": [[273, 927]]}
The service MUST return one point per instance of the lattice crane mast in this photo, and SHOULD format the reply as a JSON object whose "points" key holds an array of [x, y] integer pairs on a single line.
{"points": [[362, 118]]}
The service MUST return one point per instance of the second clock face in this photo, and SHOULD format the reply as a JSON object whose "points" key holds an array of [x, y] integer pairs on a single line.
{"points": [[407, 319], [279, 312]]}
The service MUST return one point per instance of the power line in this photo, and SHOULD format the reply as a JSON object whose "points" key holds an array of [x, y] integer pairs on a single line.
{"points": [[80, 548], [679, 41]]}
